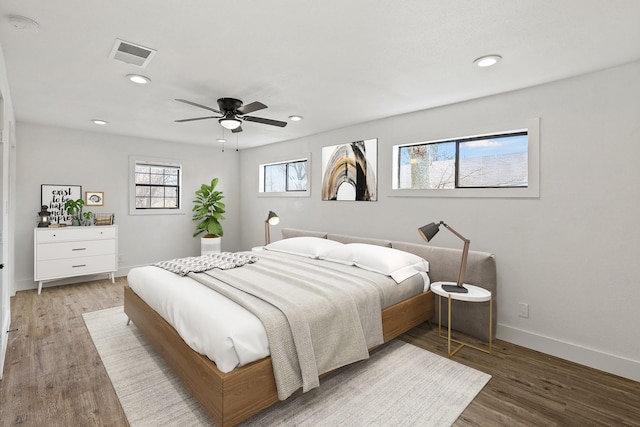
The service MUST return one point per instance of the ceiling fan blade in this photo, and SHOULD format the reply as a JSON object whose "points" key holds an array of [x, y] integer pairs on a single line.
{"points": [[250, 108], [197, 118], [198, 105], [236, 130], [265, 121]]}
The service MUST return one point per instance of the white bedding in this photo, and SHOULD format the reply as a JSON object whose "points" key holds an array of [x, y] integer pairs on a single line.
{"points": [[235, 336]]}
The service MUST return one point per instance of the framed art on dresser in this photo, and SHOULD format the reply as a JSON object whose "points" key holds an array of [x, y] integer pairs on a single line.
{"points": [[54, 198]]}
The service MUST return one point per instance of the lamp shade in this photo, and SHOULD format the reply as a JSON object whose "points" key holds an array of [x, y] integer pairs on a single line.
{"points": [[428, 231], [229, 122], [273, 218]]}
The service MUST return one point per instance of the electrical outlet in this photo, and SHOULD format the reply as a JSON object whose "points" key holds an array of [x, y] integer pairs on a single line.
{"points": [[120, 257], [523, 309]]}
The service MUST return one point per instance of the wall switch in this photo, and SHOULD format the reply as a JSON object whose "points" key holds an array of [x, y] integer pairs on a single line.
{"points": [[523, 309]]}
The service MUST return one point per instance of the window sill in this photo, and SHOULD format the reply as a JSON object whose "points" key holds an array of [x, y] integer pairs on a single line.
{"points": [[501, 193], [286, 194]]}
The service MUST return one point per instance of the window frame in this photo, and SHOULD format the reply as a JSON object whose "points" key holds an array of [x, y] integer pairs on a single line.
{"points": [[287, 193], [533, 168], [133, 162]]}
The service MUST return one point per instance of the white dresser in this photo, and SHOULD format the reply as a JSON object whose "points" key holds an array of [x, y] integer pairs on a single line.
{"points": [[74, 251]]}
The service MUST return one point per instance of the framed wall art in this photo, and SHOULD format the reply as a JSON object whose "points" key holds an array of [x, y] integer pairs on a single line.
{"points": [[93, 198], [349, 171], [54, 198]]}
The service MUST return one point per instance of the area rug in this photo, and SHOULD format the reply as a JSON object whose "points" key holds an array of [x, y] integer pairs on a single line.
{"points": [[399, 385]]}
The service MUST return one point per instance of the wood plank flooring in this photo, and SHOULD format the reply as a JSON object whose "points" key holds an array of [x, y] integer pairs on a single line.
{"points": [[53, 375], [529, 388]]}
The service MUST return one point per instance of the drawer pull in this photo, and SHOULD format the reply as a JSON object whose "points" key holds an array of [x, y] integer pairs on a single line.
{"points": [[79, 249], [81, 265]]}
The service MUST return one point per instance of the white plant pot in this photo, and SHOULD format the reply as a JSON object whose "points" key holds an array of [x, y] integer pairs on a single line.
{"points": [[210, 245]]}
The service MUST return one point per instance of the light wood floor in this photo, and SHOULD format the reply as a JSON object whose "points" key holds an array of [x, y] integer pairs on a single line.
{"points": [[53, 375]]}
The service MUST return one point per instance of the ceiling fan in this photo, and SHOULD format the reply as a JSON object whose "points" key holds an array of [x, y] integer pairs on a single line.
{"points": [[232, 113]]}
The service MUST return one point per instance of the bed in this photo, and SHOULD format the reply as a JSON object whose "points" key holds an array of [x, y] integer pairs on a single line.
{"points": [[231, 396]]}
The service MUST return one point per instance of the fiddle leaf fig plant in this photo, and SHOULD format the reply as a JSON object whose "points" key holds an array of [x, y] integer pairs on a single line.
{"points": [[208, 210]]}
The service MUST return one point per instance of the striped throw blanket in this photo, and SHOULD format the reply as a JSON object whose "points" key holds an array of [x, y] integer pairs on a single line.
{"points": [[222, 261]]}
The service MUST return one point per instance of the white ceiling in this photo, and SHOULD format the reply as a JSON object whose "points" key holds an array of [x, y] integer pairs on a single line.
{"points": [[335, 62]]}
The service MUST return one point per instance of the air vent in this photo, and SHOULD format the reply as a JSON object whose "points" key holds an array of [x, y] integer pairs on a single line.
{"points": [[131, 53]]}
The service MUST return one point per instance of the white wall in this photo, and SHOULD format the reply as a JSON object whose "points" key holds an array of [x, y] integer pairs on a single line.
{"points": [[569, 254], [100, 162]]}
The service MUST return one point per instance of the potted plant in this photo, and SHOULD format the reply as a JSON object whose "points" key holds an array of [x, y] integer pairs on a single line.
{"points": [[87, 217], [74, 208], [208, 210]]}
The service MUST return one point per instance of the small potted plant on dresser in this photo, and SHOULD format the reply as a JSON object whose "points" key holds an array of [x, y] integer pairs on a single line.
{"points": [[208, 210]]}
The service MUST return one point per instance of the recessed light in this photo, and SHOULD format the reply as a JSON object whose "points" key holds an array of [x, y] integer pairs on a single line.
{"points": [[99, 122], [20, 22], [221, 140], [295, 118], [487, 60], [137, 78]]}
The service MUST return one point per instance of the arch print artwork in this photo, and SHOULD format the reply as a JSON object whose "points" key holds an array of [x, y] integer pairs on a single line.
{"points": [[349, 171]]}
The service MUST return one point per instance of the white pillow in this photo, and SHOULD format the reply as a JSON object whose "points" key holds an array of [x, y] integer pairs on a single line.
{"points": [[306, 246], [342, 254], [398, 264]]}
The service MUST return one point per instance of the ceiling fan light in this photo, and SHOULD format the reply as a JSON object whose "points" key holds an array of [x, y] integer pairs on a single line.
{"points": [[229, 122]]}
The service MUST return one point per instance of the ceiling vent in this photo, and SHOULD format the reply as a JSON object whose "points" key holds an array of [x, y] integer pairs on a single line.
{"points": [[131, 53]]}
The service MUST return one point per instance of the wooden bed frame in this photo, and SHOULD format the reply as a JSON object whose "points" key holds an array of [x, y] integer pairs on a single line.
{"points": [[237, 395]]}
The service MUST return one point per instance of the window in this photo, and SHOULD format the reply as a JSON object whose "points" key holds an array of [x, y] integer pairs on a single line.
{"points": [[490, 161], [156, 187], [284, 177], [502, 164], [493, 162]]}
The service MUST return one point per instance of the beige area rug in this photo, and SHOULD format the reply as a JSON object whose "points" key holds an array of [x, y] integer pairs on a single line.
{"points": [[399, 385]]}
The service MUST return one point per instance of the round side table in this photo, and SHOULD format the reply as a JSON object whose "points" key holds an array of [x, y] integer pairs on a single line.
{"points": [[475, 294]]}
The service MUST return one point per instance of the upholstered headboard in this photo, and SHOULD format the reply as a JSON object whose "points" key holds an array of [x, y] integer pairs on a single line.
{"points": [[444, 265]]}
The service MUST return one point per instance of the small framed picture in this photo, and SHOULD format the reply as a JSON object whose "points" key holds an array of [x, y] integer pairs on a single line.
{"points": [[94, 198]]}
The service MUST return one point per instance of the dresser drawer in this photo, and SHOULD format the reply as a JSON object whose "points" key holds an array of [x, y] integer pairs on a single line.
{"points": [[48, 235], [47, 251], [51, 269]]}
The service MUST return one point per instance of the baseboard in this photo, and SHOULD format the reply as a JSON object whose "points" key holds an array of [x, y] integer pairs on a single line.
{"points": [[613, 364], [610, 363], [28, 284]]}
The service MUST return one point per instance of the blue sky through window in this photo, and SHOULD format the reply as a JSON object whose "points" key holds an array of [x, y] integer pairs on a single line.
{"points": [[494, 146]]}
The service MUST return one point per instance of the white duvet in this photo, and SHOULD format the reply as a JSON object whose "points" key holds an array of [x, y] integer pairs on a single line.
{"points": [[235, 336]]}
